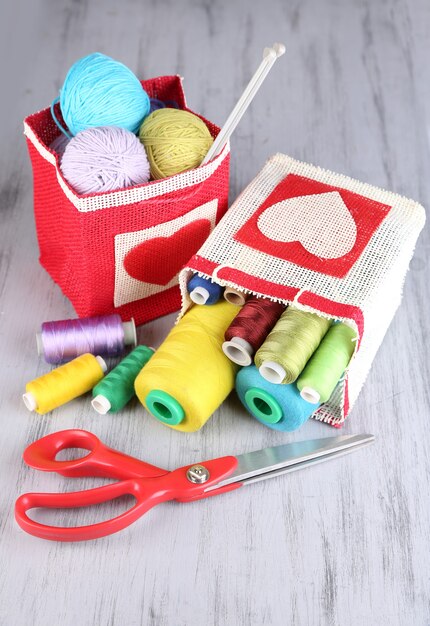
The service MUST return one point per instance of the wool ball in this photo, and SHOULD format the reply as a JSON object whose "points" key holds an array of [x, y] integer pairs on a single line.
{"points": [[175, 141], [104, 159], [99, 91]]}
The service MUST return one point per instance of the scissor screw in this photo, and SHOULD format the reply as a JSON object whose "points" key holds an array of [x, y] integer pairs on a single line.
{"points": [[198, 474]]}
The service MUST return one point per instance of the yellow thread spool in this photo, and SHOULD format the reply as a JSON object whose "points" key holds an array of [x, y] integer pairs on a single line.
{"points": [[64, 383], [189, 376]]}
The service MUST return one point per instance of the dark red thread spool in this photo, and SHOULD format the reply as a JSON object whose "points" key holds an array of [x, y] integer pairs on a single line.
{"points": [[250, 328]]}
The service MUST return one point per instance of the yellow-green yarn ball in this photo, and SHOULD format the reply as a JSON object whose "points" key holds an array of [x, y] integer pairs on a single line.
{"points": [[175, 141]]}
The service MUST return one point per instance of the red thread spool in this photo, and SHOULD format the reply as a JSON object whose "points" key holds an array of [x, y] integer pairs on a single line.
{"points": [[250, 328]]}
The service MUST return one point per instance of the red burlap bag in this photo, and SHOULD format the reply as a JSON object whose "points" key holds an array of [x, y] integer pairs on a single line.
{"points": [[121, 251]]}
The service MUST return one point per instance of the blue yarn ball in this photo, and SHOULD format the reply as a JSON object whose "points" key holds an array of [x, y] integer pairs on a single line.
{"points": [[99, 91], [280, 407], [214, 290]]}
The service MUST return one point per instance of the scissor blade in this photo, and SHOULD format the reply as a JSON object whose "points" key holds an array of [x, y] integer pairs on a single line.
{"points": [[270, 462]]}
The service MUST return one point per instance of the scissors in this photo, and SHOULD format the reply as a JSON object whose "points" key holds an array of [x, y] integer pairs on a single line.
{"points": [[151, 485]]}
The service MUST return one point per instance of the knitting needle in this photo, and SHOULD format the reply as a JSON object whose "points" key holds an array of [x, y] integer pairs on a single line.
{"points": [[269, 57]]}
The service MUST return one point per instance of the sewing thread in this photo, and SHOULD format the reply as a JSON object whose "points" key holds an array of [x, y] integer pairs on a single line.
{"points": [[288, 347], [203, 290], [235, 296], [322, 372], [63, 384], [63, 340], [279, 407], [116, 389], [189, 376], [250, 328]]}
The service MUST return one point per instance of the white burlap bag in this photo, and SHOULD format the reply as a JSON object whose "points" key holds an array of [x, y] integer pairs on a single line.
{"points": [[323, 242]]}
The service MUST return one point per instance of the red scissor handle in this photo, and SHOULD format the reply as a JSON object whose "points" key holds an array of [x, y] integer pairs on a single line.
{"points": [[100, 460], [144, 501], [147, 491]]}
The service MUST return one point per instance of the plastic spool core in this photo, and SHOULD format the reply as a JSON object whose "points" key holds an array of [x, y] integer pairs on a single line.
{"points": [[29, 401], [310, 395], [199, 295], [234, 297], [130, 336], [101, 404], [39, 342], [238, 350], [263, 406], [273, 372], [164, 407], [102, 363]]}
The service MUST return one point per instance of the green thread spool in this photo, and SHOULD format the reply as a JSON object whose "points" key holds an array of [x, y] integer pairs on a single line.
{"points": [[288, 347], [117, 388], [322, 373]]}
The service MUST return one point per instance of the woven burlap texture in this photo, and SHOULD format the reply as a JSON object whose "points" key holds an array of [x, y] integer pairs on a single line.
{"points": [[76, 233], [373, 285]]}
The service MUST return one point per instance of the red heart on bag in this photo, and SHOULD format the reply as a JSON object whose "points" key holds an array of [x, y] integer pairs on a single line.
{"points": [[158, 260]]}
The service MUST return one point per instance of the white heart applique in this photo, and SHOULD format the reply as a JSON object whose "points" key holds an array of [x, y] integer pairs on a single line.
{"points": [[321, 222]]}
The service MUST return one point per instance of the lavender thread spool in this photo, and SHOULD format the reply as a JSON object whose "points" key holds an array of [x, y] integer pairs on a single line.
{"points": [[64, 340]]}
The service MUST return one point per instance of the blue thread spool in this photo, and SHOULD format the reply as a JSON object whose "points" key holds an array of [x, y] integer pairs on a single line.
{"points": [[203, 290], [280, 407], [99, 91]]}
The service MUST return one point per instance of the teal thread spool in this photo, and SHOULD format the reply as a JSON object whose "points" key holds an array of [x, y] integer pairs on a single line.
{"points": [[279, 407], [117, 388], [322, 373], [288, 347]]}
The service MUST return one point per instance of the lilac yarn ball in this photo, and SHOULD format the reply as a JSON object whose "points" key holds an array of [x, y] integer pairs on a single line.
{"points": [[104, 158]]}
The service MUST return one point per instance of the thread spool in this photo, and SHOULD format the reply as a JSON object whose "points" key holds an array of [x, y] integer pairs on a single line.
{"points": [[63, 340], [235, 296], [250, 328], [322, 373], [189, 376], [279, 407], [99, 91], [104, 159], [175, 141], [288, 347], [203, 290], [116, 389], [63, 384], [155, 104]]}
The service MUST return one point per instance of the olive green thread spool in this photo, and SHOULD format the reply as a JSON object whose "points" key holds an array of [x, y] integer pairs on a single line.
{"points": [[290, 344], [117, 388], [322, 373]]}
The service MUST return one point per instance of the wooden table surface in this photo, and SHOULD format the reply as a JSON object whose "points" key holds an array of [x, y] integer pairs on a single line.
{"points": [[344, 543]]}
